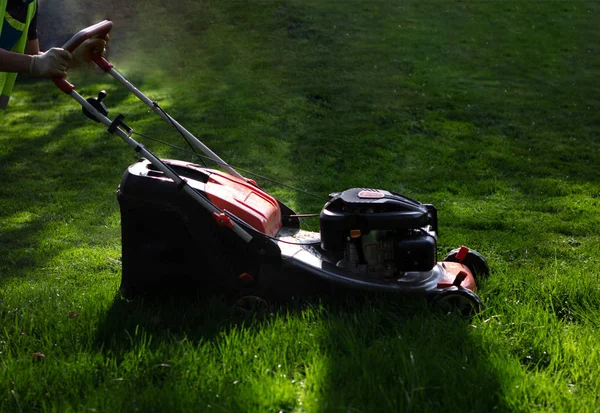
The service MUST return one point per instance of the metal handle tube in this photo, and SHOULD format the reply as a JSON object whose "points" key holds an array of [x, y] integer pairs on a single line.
{"points": [[191, 138], [158, 164]]}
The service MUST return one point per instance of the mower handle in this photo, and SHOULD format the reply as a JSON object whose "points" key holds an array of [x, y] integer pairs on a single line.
{"points": [[99, 30]]}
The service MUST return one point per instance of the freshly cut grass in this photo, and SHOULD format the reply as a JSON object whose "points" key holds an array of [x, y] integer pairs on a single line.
{"points": [[487, 110]]}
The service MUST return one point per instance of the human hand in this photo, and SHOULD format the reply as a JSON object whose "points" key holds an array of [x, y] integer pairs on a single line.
{"points": [[53, 62], [88, 49]]}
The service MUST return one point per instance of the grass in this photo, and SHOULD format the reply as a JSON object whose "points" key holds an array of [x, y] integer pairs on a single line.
{"points": [[485, 109]]}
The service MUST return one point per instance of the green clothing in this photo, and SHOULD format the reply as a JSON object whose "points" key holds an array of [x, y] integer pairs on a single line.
{"points": [[8, 27]]}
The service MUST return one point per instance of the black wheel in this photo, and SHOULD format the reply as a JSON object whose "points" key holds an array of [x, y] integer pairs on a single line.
{"points": [[250, 304], [473, 260], [457, 300]]}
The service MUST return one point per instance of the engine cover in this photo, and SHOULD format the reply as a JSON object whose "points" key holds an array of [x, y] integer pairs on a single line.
{"points": [[379, 231]]}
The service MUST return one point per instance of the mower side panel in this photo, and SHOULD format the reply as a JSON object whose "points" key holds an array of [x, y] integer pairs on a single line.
{"points": [[300, 250], [308, 258]]}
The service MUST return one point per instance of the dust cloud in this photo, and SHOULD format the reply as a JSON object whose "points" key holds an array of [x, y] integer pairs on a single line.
{"points": [[58, 20]]}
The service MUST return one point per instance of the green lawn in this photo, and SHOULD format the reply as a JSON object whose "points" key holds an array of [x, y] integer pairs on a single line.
{"points": [[488, 110]]}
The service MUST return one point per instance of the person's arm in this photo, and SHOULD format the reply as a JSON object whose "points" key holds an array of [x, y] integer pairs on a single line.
{"points": [[14, 62], [18, 62], [32, 47], [54, 62]]}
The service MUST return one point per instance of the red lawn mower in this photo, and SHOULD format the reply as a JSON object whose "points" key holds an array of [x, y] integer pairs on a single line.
{"points": [[188, 227]]}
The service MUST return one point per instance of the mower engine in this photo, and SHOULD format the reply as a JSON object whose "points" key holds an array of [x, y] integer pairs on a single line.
{"points": [[379, 233]]}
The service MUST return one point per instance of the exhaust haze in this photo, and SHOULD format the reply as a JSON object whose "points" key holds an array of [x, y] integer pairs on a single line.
{"points": [[59, 19], [137, 24]]}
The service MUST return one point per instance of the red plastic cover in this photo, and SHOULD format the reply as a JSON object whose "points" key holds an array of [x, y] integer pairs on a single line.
{"points": [[244, 200]]}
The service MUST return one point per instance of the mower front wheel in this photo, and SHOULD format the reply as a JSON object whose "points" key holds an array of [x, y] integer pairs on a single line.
{"points": [[457, 300]]}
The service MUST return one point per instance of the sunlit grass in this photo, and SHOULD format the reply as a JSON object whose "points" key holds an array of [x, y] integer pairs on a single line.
{"points": [[486, 110]]}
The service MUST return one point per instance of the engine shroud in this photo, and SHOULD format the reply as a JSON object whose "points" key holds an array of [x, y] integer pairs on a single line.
{"points": [[379, 231]]}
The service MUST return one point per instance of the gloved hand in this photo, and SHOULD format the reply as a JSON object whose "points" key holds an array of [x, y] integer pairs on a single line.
{"points": [[89, 48], [54, 62]]}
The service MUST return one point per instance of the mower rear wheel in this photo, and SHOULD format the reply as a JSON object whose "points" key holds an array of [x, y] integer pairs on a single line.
{"points": [[474, 261], [458, 300]]}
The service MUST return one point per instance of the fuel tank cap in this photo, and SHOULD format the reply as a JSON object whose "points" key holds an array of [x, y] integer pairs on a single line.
{"points": [[370, 194]]}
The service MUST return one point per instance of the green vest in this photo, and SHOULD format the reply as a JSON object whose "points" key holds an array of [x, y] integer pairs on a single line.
{"points": [[7, 80]]}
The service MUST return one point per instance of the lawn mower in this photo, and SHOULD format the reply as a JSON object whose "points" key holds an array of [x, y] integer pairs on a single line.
{"points": [[188, 227]]}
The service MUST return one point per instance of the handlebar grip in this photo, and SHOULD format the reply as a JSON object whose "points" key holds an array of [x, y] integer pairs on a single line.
{"points": [[97, 30], [63, 85]]}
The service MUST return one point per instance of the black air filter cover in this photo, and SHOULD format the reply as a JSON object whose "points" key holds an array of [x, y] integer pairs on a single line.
{"points": [[371, 209]]}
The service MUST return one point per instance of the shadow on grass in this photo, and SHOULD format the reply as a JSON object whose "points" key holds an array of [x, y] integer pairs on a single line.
{"points": [[392, 356], [364, 353], [166, 319]]}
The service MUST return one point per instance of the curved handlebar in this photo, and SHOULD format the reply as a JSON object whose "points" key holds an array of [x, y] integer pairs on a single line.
{"points": [[97, 30]]}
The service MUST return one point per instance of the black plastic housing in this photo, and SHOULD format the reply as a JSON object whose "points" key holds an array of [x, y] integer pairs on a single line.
{"points": [[171, 243], [411, 225]]}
